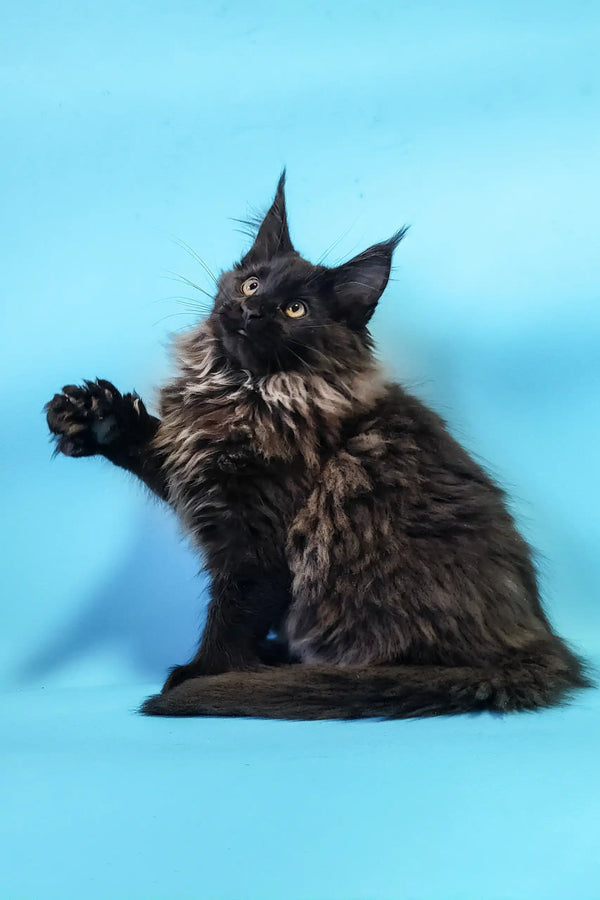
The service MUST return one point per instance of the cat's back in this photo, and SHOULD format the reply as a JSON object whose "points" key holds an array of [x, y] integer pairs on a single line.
{"points": [[401, 434], [399, 467]]}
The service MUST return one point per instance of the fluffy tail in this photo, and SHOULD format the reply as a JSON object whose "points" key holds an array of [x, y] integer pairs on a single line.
{"points": [[333, 692]]}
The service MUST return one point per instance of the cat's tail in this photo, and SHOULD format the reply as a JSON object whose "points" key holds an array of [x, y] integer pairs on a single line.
{"points": [[335, 692]]}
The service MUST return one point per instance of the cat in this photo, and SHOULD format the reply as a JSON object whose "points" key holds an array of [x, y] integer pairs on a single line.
{"points": [[332, 509]]}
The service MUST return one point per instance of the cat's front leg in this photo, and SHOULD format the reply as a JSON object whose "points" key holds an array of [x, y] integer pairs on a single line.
{"points": [[96, 419], [242, 611]]}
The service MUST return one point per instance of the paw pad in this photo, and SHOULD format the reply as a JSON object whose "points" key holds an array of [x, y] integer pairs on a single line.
{"points": [[84, 418]]}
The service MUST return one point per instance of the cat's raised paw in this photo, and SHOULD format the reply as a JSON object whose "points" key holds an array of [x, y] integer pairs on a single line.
{"points": [[84, 418]]}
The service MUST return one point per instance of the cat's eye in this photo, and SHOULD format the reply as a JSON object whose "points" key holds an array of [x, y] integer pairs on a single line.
{"points": [[295, 310], [250, 286]]}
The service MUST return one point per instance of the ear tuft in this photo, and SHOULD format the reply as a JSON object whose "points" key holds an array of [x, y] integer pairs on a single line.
{"points": [[359, 283], [273, 237]]}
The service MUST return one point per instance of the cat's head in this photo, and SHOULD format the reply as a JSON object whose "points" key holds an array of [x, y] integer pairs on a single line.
{"points": [[275, 311]]}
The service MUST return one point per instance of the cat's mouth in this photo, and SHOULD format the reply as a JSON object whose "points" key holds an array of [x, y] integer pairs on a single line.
{"points": [[254, 345]]}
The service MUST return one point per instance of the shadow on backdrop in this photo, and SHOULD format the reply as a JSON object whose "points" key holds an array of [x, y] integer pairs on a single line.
{"points": [[151, 609]]}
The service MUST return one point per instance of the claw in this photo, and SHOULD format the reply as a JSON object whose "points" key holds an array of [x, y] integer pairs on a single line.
{"points": [[85, 417], [107, 386]]}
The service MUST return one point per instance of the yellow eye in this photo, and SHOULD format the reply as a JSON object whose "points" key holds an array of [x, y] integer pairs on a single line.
{"points": [[295, 310], [250, 286]]}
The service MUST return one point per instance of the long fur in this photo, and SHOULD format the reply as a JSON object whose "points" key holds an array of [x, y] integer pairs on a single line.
{"points": [[333, 692], [330, 506]]}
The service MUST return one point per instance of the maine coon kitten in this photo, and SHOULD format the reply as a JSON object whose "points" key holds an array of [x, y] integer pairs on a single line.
{"points": [[331, 508]]}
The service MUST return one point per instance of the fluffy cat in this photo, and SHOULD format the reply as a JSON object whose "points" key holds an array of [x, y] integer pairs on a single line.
{"points": [[331, 508]]}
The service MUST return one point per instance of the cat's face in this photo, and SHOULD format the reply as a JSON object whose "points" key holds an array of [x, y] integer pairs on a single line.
{"points": [[273, 315], [275, 311]]}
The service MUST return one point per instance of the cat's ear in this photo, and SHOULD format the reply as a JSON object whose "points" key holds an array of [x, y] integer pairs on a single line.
{"points": [[273, 237], [359, 283]]}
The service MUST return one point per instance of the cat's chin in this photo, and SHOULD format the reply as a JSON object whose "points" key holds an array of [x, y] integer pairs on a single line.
{"points": [[261, 354], [244, 352]]}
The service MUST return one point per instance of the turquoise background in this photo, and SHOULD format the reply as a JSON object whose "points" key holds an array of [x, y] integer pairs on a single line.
{"points": [[128, 127]]}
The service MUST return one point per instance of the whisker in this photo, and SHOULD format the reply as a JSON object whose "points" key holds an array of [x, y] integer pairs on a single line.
{"points": [[187, 303], [336, 242], [303, 361], [172, 316], [369, 287], [175, 276], [318, 352], [175, 297], [314, 350], [197, 257]]}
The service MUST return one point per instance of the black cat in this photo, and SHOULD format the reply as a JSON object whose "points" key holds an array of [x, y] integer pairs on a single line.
{"points": [[331, 507]]}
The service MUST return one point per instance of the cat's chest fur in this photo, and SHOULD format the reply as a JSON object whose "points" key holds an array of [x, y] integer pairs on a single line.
{"points": [[240, 452], [227, 460]]}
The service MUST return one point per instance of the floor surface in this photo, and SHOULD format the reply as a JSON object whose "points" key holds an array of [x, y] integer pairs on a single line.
{"points": [[107, 804]]}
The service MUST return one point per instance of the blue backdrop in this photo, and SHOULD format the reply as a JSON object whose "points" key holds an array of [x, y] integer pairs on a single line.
{"points": [[128, 127]]}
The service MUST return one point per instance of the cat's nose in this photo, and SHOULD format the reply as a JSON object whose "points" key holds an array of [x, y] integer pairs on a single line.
{"points": [[251, 313]]}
